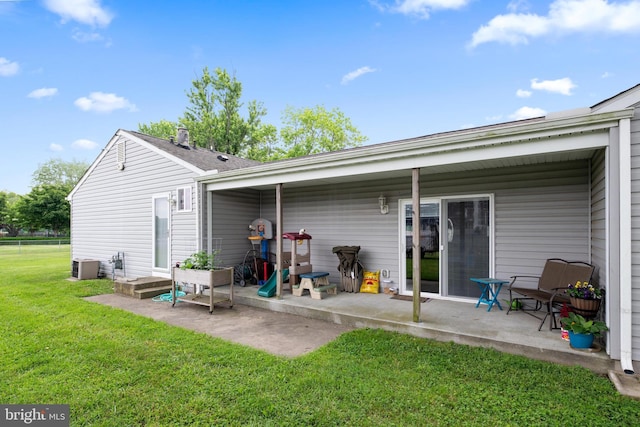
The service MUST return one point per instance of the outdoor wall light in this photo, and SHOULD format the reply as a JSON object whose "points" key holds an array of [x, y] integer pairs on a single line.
{"points": [[384, 207]]}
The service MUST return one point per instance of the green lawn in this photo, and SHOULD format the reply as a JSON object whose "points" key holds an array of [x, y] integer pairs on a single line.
{"points": [[429, 267], [117, 369]]}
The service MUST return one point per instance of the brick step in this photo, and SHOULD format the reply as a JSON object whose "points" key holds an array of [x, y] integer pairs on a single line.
{"points": [[151, 292]]}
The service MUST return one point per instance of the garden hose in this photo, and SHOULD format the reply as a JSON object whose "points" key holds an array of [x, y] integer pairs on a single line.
{"points": [[168, 297]]}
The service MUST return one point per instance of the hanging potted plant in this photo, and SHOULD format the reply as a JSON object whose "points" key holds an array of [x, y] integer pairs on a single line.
{"points": [[581, 330], [585, 298]]}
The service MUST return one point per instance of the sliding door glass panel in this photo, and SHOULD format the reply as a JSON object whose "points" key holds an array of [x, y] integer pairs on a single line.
{"points": [[467, 234], [429, 247]]}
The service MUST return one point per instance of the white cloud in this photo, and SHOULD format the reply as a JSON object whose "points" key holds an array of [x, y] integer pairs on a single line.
{"points": [[565, 16], [606, 75], [84, 37], [357, 73], [561, 86], [43, 92], [55, 147], [521, 93], [84, 144], [88, 12], [527, 113], [420, 8], [511, 29], [518, 5], [8, 68], [101, 102]]}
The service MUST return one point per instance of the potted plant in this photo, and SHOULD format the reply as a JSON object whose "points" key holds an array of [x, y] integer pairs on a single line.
{"points": [[585, 298], [564, 312], [200, 269], [581, 330], [199, 272], [201, 260]]}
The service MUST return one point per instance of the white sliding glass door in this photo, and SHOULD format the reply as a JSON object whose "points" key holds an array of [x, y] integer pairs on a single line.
{"points": [[455, 245]]}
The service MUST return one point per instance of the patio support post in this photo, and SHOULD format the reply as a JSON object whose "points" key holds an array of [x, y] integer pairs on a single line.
{"points": [[209, 222], [279, 241], [416, 256]]}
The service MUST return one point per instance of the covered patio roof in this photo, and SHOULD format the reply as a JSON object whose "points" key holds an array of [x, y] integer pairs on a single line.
{"points": [[554, 138]]}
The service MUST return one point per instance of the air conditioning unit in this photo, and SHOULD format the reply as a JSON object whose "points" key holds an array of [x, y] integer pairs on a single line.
{"points": [[84, 269]]}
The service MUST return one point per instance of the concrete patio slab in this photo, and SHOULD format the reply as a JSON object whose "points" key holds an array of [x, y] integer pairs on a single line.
{"points": [[281, 334]]}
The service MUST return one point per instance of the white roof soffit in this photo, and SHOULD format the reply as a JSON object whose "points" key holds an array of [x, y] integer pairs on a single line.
{"points": [[523, 138]]}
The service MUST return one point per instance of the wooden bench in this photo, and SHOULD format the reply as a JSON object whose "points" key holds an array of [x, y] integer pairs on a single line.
{"points": [[548, 289], [317, 283]]}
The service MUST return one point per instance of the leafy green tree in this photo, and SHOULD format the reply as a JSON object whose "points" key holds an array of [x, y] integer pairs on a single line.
{"points": [[9, 216], [214, 120], [46, 207], [213, 117], [316, 130], [3, 203], [163, 129], [59, 172]]}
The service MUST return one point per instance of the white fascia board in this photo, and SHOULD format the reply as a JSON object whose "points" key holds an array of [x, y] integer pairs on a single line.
{"points": [[620, 102], [545, 136], [116, 137], [163, 153], [471, 155]]}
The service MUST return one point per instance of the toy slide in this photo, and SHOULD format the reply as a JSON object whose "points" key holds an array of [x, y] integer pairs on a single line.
{"points": [[269, 288]]}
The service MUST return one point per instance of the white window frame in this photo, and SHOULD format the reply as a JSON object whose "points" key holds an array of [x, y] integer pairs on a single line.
{"points": [[183, 199]]}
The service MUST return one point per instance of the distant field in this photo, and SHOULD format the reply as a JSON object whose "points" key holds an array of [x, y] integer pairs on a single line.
{"points": [[33, 248]]}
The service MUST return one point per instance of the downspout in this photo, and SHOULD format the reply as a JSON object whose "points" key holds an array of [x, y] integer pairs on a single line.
{"points": [[626, 344]]}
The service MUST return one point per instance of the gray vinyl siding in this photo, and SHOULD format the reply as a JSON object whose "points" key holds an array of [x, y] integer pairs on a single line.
{"points": [[233, 211], [184, 238], [635, 233], [345, 215], [599, 216], [112, 209], [542, 211]]}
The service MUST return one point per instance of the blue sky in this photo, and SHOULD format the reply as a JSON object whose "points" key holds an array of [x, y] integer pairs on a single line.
{"points": [[73, 72]]}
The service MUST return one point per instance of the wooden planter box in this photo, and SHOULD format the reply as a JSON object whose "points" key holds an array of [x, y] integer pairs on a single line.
{"points": [[203, 280]]}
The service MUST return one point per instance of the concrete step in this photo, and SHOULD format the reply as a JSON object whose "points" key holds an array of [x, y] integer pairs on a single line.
{"points": [[151, 292], [130, 286]]}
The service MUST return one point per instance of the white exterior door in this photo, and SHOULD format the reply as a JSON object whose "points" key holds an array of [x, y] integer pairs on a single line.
{"points": [[161, 234]]}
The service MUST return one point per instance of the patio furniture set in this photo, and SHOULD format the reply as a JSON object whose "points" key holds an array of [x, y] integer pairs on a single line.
{"points": [[541, 296]]}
